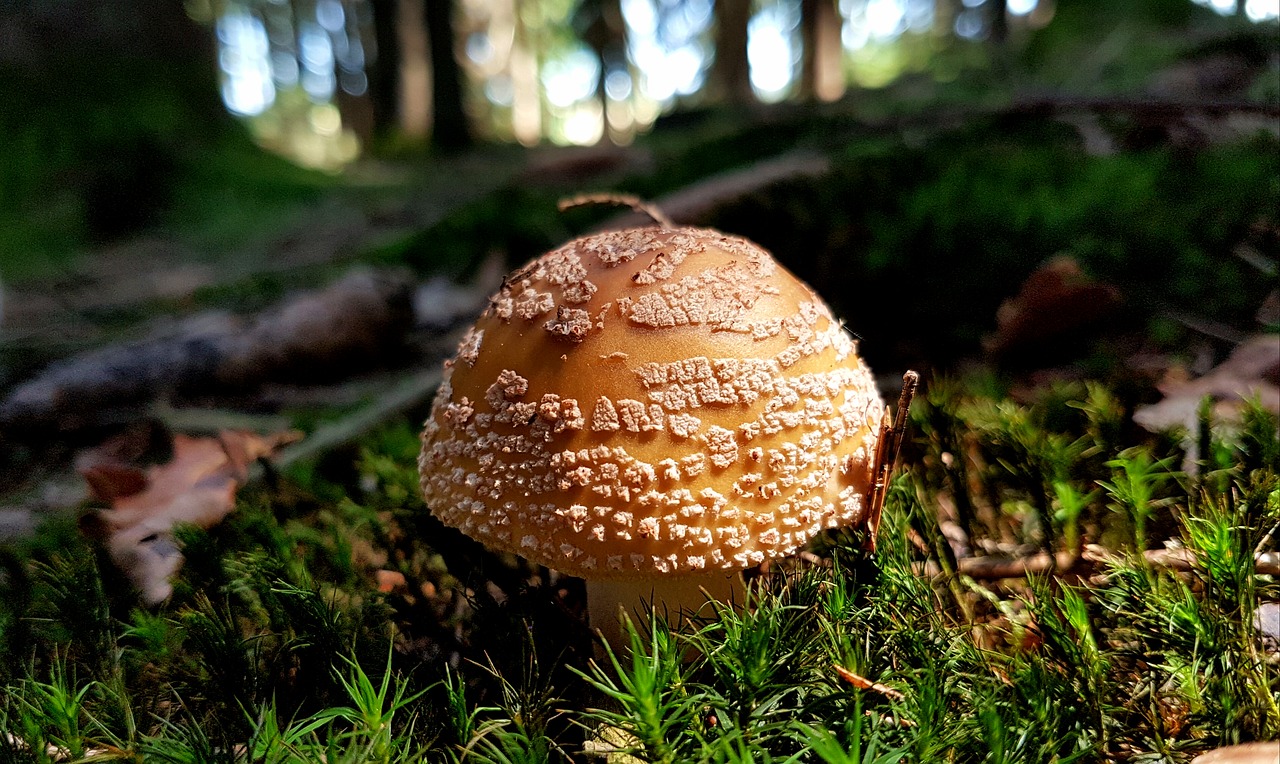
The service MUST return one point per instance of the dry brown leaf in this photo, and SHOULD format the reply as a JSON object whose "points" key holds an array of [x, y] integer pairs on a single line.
{"points": [[197, 486], [1056, 303], [199, 475], [108, 482], [1253, 368]]}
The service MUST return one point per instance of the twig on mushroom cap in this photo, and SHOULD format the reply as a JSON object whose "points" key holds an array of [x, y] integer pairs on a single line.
{"points": [[887, 454], [625, 200]]}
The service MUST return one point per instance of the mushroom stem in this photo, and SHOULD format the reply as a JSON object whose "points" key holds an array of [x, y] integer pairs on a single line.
{"points": [[676, 599]]}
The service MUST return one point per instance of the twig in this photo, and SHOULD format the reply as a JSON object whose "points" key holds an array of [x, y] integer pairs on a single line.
{"points": [[1266, 539], [696, 203], [814, 559], [626, 200], [887, 455], [862, 683], [1063, 563], [189, 420], [1183, 560], [1147, 108], [993, 568]]}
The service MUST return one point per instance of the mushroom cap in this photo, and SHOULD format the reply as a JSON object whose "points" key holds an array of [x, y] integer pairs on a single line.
{"points": [[652, 401]]}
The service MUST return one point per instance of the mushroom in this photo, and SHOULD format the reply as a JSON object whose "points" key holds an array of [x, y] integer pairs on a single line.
{"points": [[654, 410]]}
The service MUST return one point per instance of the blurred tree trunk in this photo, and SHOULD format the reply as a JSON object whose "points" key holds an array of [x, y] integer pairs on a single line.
{"points": [[526, 98], [944, 19], [384, 71], [999, 22], [730, 71], [599, 24], [72, 37], [821, 72], [86, 70], [998, 38], [414, 71], [450, 129]]}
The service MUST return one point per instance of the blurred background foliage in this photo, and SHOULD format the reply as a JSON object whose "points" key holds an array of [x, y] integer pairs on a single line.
{"points": [[121, 117]]}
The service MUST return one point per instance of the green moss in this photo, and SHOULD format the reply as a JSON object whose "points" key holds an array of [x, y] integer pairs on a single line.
{"points": [[277, 631]]}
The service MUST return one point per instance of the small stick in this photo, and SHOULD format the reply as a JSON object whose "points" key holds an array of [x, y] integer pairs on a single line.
{"points": [[996, 568], [1262, 544], [1066, 563], [862, 683], [624, 200], [891, 436]]}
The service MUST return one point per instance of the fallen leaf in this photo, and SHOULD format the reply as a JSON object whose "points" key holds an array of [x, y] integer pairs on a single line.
{"points": [[1253, 368], [197, 487], [1057, 303], [198, 484], [108, 482]]}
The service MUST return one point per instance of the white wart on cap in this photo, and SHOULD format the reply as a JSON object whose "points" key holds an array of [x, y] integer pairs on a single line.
{"points": [[652, 401]]}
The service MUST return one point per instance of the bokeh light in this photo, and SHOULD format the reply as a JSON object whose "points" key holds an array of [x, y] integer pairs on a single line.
{"points": [[285, 64], [247, 87], [774, 49]]}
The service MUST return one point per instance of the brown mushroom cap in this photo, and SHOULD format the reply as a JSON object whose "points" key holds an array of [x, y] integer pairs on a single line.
{"points": [[652, 401]]}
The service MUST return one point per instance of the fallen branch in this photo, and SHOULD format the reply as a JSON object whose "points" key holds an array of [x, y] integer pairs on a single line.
{"points": [[694, 204], [1184, 560], [994, 568], [1063, 563], [315, 336]]}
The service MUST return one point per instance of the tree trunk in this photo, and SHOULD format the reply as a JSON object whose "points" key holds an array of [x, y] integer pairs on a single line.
{"points": [[600, 25], [730, 71], [414, 71], [450, 130], [526, 99], [999, 22], [944, 19], [821, 72], [384, 68], [619, 115]]}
